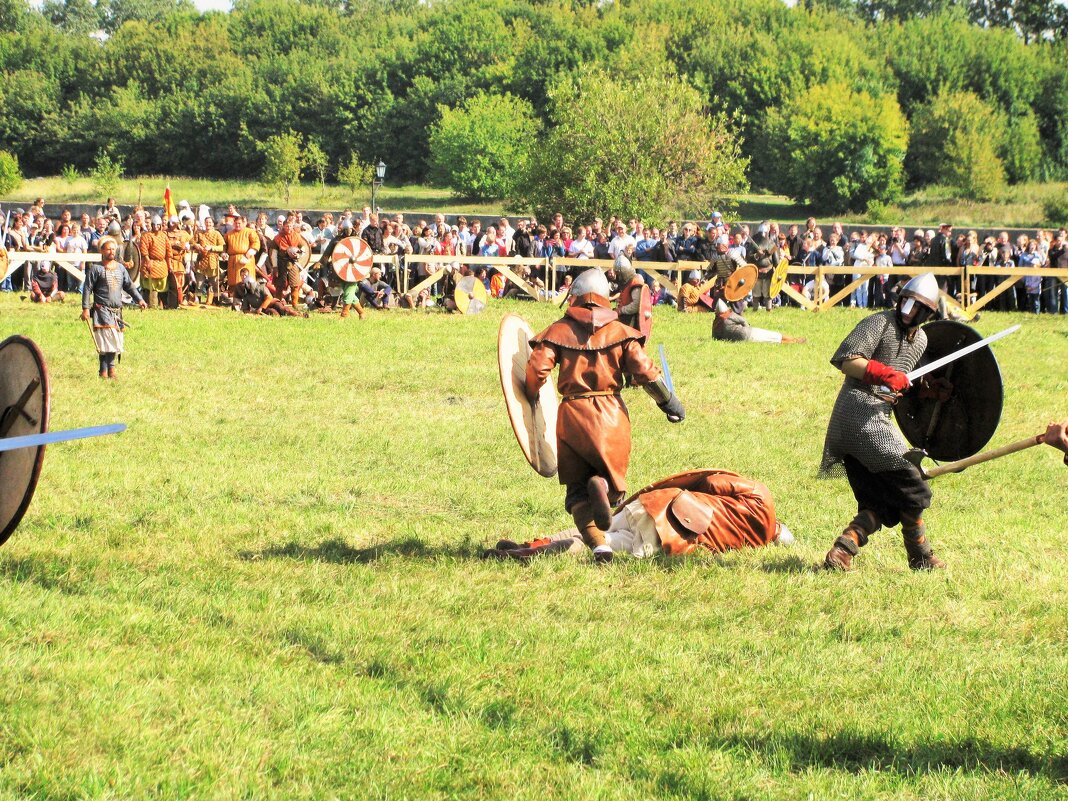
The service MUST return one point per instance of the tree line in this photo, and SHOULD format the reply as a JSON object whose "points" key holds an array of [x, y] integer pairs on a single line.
{"points": [[841, 103]]}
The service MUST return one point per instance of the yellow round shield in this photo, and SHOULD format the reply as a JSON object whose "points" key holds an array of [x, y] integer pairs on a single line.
{"points": [[470, 295], [778, 277]]}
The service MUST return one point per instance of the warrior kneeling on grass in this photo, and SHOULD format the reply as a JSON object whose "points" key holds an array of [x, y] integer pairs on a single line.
{"points": [[595, 353], [861, 438], [106, 282]]}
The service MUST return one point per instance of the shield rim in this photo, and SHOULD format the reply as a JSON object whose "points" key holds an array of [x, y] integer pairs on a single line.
{"points": [[5, 262], [732, 283], [360, 253], [899, 410], [38, 462], [778, 277], [134, 261], [645, 312], [547, 397]]}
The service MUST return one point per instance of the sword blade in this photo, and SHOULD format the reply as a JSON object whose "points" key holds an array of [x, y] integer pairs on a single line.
{"points": [[665, 369], [36, 440], [958, 354]]}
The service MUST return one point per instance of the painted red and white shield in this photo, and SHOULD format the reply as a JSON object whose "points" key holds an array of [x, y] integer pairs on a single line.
{"points": [[351, 259]]}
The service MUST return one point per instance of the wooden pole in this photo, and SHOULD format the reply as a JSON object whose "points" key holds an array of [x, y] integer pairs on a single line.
{"points": [[979, 458]]}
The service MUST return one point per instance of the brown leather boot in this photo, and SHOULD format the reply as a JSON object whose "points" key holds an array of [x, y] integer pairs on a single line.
{"points": [[111, 372], [597, 490], [345, 311], [359, 310], [840, 557], [918, 549], [592, 535]]}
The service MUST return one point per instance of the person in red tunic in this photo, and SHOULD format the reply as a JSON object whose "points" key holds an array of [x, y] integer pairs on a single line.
{"points": [[716, 510], [595, 353]]}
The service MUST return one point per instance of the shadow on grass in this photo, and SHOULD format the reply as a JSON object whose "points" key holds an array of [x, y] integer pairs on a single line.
{"points": [[855, 752], [44, 574], [337, 552]]}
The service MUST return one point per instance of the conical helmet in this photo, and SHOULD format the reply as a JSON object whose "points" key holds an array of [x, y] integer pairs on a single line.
{"points": [[721, 306], [590, 282]]}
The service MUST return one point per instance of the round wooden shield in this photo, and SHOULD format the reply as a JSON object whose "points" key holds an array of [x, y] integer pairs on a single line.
{"points": [[645, 313], [24, 405], [470, 295], [534, 424], [305, 257], [778, 277], [740, 283], [5, 262], [960, 425], [685, 480], [132, 259], [351, 259]]}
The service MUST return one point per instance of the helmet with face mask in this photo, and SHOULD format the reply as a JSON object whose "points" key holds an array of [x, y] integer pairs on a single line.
{"points": [[625, 274], [918, 301]]}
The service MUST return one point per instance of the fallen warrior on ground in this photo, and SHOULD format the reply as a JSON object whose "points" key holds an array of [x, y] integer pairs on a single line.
{"points": [[731, 326], [712, 509]]}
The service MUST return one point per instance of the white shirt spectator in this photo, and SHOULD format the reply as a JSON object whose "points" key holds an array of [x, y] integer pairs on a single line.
{"points": [[618, 243]]}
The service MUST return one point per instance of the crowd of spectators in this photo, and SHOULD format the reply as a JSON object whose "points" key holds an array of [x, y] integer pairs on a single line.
{"points": [[287, 256]]}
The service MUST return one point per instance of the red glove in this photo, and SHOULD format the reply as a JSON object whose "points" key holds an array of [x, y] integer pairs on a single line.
{"points": [[879, 373]]}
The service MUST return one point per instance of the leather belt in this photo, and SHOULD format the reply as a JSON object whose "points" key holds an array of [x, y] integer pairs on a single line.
{"points": [[580, 395]]}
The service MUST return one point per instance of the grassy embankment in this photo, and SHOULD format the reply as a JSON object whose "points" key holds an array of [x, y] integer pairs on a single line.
{"points": [[268, 587], [1020, 207]]}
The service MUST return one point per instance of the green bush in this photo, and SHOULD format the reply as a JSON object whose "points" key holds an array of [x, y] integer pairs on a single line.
{"points": [[1021, 149], [480, 149], [1055, 209], [106, 173], [956, 139], [635, 148], [842, 150], [70, 173], [10, 174]]}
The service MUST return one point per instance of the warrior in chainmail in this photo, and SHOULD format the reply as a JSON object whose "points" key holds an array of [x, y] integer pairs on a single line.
{"points": [[723, 262], [863, 442], [106, 282], [629, 302], [764, 253]]}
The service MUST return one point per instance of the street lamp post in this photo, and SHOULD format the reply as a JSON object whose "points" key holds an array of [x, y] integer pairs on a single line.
{"points": [[376, 182]]}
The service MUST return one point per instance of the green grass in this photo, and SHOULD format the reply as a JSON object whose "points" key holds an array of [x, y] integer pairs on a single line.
{"points": [[247, 194], [1020, 207], [267, 587]]}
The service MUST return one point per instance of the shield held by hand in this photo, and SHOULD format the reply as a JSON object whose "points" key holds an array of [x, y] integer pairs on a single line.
{"points": [[952, 412], [534, 424]]}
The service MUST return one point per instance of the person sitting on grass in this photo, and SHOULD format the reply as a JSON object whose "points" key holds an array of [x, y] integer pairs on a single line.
{"points": [[44, 288], [256, 298], [716, 510], [374, 291]]}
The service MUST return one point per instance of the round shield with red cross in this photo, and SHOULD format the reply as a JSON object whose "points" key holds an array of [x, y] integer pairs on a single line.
{"points": [[351, 259], [645, 313]]}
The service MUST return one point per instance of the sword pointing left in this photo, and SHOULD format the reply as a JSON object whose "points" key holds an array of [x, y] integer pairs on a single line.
{"points": [[36, 440]]}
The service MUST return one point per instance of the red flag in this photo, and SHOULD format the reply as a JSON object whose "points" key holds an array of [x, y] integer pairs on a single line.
{"points": [[169, 209]]}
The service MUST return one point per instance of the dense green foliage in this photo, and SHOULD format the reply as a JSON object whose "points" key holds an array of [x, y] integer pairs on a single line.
{"points": [[843, 150], [177, 92], [621, 158], [267, 588], [10, 174], [481, 148]]}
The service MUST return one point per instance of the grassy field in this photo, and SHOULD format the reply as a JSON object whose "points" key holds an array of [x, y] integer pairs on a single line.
{"points": [[1021, 206], [268, 587]]}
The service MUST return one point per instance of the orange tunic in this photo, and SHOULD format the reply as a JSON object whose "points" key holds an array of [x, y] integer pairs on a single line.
{"points": [[594, 352], [153, 247], [176, 242], [213, 243], [714, 509], [238, 243]]}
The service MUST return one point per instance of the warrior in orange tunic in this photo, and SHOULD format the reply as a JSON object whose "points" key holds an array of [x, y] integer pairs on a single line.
{"points": [[154, 248], [712, 509], [595, 353]]}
